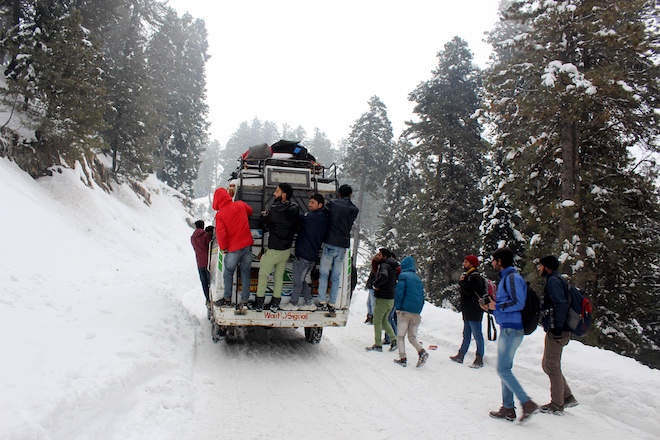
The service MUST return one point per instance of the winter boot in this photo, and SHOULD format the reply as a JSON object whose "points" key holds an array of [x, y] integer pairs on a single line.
{"points": [[369, 320], [403, 362], [504, 413], [570, 402], [423, 356], [478, 362], [528, 408], [552, 408], [458, 358], [274, 304], [393, 345], [331, 311], [259, 303]]}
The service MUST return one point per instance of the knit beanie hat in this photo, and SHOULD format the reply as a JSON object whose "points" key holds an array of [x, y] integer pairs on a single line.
{"points": [[550, 262], [473, 260]]}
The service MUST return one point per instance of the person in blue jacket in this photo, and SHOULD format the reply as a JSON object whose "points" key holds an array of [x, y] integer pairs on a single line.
{"points": [[510, 300], [408, 303], [313, 226]]}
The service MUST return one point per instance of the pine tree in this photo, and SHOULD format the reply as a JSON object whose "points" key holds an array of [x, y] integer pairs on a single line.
{"points": [[369, 149], [401, 216], [570, 95], [55, 69], [177, 56], [448, 137], [321, 148], [132, 118], [246, 136], [209, 177]]}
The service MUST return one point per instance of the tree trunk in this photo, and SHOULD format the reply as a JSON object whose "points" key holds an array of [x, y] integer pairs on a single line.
{"points": [[569, 179]]}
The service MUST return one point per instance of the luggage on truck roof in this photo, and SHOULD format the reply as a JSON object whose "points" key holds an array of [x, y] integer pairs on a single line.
{"points": [[294, 148]]}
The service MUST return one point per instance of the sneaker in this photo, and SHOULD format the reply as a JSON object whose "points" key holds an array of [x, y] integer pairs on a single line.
{"points": [[274, 304], [403, 362], [386, 342], [323, 307], [288, 306], [308, 307], [374, 348], [393, 345], [478, 362], [458, 358], [570, 402], [552, 408], [223, 302], [423, 356], [528, 408], [331, 310], [369, 320], [504, 413], [242, 306]]}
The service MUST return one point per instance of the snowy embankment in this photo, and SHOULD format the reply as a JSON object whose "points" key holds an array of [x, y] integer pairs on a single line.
{"points": [[104, 336]]}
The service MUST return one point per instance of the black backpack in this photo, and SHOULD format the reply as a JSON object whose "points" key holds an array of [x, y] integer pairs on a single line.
{"points": [[531, 312]]}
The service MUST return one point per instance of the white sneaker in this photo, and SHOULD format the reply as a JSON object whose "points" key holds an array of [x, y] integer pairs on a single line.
{"points": [[288, 306], [308, 307]]}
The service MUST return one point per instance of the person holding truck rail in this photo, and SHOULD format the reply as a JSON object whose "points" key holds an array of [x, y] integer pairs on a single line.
{"points": [[235, 240], [313, 225], [282, 222], [341, 216]]}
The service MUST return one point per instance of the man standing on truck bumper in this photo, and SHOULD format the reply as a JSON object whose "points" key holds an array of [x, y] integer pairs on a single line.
{"points": [[341, 216], [282, 222], [313, 226], [235, 241]]}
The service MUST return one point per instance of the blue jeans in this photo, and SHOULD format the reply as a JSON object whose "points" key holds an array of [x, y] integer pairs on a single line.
{"points": [[393, 323], [241, 258], [510, 340], [472, 328], [205, 278], [332, 258], [371, 302], [301, 268]]}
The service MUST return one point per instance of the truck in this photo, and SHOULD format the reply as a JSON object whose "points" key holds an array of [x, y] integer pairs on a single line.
{"points": [[254, 182]]}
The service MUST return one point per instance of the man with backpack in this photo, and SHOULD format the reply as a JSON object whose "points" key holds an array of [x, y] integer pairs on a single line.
{"points": [[510, 300], [473, 288], [555, 312], [385, 291]]}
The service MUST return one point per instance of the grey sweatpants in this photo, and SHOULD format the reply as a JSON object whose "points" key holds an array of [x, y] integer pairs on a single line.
{"points": [[408, 323]]}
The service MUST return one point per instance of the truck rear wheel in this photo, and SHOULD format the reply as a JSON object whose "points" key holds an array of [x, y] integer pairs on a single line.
{"points": [[313, 334]]}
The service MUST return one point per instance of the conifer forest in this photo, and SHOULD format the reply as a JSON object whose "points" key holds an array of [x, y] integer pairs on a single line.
{"points": [[552, 148]]}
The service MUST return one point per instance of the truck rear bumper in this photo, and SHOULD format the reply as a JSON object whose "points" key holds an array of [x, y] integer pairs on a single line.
{"points": [[229, 317]]}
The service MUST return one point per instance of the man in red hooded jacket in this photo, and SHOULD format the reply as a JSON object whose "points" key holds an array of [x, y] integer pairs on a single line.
{"points": [[232, 228]]}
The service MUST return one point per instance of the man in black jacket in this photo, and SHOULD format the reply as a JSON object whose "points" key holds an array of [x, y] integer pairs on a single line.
{"points": [[384, 290], [555, 306], [473, 288], [282, 222], [341, 216]]}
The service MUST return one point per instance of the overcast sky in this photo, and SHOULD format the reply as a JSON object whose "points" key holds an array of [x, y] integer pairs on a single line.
{"points": [[304, 63]]}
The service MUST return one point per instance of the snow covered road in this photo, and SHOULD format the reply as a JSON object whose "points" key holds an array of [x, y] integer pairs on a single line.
{"points": [[104, 336]]}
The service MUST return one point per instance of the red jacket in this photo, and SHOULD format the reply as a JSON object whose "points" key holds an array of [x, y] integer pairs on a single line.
{"points": [[200, 242], [232, 227]]}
